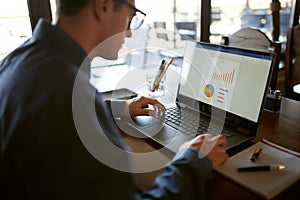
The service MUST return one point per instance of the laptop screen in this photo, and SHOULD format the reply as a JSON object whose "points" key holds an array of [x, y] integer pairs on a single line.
{"points": [[231, 79]]}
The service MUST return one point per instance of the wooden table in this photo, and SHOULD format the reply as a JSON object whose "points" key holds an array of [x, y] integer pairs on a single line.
{"points": [[282, 128]]}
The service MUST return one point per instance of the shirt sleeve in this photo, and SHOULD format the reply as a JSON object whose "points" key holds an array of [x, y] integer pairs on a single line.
{"points": [[184, 178], [118, 108]]}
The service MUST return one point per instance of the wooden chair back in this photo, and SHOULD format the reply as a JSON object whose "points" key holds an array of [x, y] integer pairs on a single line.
{"points": [[292, 54], [292, 63]]}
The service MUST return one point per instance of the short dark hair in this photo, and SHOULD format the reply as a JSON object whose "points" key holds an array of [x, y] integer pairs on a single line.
{"points": [[72, 7]]}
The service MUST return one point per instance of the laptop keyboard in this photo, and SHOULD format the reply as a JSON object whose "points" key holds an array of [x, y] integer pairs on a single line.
{"points": [[193, 126]]}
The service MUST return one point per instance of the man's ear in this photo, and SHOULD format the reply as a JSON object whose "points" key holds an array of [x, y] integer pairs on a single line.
{"points": [[102, 8]]}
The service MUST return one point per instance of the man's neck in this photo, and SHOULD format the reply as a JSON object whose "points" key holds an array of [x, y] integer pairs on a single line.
{"points": [[78, 31]]}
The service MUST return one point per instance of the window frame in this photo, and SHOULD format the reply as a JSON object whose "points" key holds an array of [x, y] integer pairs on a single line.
{"points": [[39, 9]]}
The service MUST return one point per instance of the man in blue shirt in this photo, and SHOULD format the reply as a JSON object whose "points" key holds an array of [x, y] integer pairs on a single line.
{"points": [[42, 154]]}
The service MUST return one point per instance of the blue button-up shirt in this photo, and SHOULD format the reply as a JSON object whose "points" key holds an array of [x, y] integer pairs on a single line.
{"points": [[42, 155]]}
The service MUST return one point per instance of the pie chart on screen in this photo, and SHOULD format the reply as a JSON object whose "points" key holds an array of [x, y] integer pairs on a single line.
{"points": [[209, 90]]}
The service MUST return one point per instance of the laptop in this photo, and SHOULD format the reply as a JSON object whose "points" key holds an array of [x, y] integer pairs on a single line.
{"points": [[222, 90]]}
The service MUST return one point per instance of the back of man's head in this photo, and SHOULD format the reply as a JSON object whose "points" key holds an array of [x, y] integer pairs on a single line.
{"points": [[72, 7]]}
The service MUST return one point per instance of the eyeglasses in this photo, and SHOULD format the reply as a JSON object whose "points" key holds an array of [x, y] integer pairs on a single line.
{"points": [[137, 19]]}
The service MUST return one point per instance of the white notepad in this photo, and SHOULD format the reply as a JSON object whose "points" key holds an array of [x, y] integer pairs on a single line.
{"points": [[267, 184]]}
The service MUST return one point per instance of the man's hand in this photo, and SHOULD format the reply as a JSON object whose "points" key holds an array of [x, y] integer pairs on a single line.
{"points": [[140, 106], [213, 147]]}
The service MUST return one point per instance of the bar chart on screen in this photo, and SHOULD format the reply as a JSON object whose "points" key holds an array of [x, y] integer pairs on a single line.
{"points": [[219, 82], [226, 77]]}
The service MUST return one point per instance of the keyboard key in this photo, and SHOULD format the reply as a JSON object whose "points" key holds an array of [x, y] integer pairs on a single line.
{"points": [[188, 124]]}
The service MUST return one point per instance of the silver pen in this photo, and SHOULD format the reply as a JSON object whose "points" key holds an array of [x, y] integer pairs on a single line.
{"points": [[261, 168]]}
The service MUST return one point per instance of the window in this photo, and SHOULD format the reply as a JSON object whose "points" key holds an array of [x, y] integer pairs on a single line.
{"points": [[233, 15], [172, 16], [15, 25], [53, 10]]}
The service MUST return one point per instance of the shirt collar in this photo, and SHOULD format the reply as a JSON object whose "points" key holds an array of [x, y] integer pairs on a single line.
{"points": [[44, 31]]}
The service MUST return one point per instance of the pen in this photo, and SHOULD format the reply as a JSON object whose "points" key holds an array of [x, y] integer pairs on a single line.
{"points": [[156, 83], [261, 168], [160, 70], [256, 154]]}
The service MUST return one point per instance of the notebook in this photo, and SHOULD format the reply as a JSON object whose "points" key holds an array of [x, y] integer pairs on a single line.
{"points": [[267, 184], [221, 91]]}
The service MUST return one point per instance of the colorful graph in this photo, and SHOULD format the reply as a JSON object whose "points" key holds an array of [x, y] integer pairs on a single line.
{"points": [[209, 90], [226, 77]]}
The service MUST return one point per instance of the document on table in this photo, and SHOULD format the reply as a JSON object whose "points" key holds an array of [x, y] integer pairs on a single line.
{"points": [[267, 184]]}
